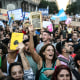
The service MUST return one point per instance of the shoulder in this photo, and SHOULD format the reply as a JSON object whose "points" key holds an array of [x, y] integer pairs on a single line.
{"points": [[58, 62]]}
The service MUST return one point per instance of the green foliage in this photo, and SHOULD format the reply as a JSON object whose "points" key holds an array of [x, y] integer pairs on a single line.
{"points": [[52, 6], [73, 8]]}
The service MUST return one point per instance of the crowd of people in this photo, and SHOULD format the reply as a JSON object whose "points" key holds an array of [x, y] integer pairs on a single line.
{"points": [[42, 55]]}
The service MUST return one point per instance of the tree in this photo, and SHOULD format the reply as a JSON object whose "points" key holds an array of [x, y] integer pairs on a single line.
{"points": [[73, 8], [52, 6]]}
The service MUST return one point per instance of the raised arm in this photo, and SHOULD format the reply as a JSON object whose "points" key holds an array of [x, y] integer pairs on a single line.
{"points": [[25, 62], [34, 54]]}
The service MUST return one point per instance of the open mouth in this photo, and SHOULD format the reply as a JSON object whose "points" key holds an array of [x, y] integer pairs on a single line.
{"points": [[51, 55]]}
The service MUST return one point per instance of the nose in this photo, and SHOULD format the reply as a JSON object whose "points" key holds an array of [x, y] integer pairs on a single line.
{"points": [[65, 78], [17, 75]]}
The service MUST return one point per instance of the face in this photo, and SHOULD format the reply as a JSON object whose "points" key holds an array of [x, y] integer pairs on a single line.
{"points": [[17, 73], [74, 37], [49, 53], [27, 47], [7, 36], [69, 47], [45, 36], [27, 30], [63, 75], [25, 37], [78, 62]]}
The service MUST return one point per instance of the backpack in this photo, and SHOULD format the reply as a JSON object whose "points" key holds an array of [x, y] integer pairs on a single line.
{"points": [[70, 63]]}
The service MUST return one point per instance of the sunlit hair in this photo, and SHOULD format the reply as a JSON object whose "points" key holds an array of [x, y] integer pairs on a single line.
{"points": [[43, 50], [58, 70]]}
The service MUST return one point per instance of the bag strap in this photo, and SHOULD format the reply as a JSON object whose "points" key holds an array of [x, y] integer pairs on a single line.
{"points": [[64, 60]]}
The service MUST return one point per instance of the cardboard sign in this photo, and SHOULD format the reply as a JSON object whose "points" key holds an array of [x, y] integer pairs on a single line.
{"points": [[74, 23], [36, 20], [3, 14], [57, 21], [15, 14], [16, 38], [69, 30]]}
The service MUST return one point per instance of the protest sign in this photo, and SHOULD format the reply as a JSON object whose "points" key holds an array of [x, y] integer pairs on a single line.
{"points": [[74, 23], [48, 24], [36, 20], [2, 24], [16, 38], [44, 11], [15, 14], [26, 15], [3, 14], [69, 30], [68, 21], [57, 20]]}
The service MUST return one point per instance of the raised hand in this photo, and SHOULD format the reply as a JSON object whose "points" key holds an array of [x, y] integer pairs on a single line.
{"points": [[31, 30], [20, 47]]}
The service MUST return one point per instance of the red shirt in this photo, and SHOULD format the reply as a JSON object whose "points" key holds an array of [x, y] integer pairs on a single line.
{"points": [[23, 31]]}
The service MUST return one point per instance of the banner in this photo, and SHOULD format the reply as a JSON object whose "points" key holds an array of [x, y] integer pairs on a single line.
{"points": [[36, 20], [3, 14], [74, 23], [15, 14], [16, 38], [44, 11]]}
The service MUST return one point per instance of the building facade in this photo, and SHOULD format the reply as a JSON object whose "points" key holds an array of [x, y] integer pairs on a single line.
{"points": [[51, 0], [26, 5]]}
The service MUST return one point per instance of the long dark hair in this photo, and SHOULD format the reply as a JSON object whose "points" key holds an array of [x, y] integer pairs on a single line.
{"points": [[43, 49], [58, 70], [14, 64]]}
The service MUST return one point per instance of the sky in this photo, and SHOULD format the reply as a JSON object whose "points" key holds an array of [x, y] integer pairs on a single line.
{"points": [[62, 4]]}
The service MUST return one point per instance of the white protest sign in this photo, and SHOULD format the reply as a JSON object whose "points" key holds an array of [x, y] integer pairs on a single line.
{"points": [[27, 15], [57, 20], [15, 14], [1, 23], [48, 24]]}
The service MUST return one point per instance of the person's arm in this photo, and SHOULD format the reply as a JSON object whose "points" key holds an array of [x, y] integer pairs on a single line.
{"points": [[34, 54], [25, 62], [28, 72], [50, 72]]}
